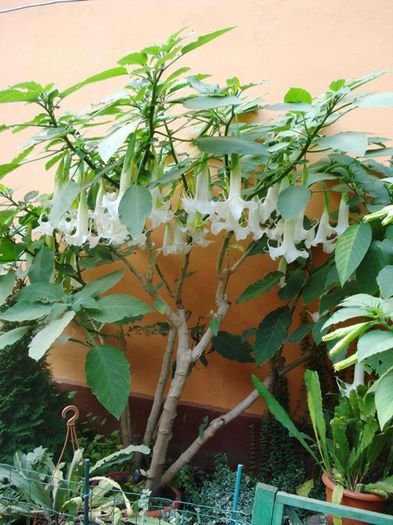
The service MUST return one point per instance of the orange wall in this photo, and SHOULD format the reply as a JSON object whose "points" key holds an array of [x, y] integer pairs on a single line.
{"points": [[303, 43]]}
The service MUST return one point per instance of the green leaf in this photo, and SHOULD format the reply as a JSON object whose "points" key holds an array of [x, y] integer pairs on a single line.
{"points": [[41, 292], [385, 281], [377, 100], [204, 39], [134, 209], [229, 145], [11, 337], [63, 202], [351, 248], [346, 313], [7, 283], [26, 312], [119, 457], [316, 285], [271, 334], [292, 201], [348, 141], [43, 266], [294, 283], [15, 163], [14, 94], [9, 251], [210, 102], [300, 333], [118, 307], [138, 58], [214, 325], [104, 75], [44, 339], [260, 287], [336, 85], [373, 343], [231, 346], [280, 414], [100, 285], [297, 95], [314, 402], [111, 143], [383, 399], [108, 375]]}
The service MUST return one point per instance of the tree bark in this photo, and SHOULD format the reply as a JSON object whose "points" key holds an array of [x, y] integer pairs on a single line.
{"points": [[169, 412]]}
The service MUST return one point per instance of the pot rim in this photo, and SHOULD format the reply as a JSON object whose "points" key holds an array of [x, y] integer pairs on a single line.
{"points": [[329, 483]]}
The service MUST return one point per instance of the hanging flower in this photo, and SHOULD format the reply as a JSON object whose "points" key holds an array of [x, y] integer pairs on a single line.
{"points": [[358, 379], [202, 202], [301, 234], [177, 243], [324, 232], [81, 233], [386, 214], [196, 228], [160, 212], [107, 223], [254, 222], [269, 204], [343, 216], [287, 248]]}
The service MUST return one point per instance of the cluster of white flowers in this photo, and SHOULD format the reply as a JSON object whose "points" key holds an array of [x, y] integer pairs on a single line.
{"points": [[204, 214]]}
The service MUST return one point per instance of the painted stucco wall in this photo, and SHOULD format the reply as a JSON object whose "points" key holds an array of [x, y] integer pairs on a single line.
{"points": [[305, 43]]}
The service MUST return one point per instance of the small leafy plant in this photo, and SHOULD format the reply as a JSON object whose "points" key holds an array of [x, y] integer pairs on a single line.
{"points": [[351, 448]]}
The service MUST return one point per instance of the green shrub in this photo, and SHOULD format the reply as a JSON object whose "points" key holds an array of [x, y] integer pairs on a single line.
{"points": [[30, 404]]}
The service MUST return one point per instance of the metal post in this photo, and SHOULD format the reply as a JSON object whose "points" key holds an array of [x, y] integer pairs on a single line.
{"points": [[236, 494], [86, 493]]}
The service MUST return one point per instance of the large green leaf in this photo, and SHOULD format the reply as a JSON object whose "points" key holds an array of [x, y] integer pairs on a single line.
{"points": [[44, 339], [260, 287], [229, 145], [280, 414], [134, 209], [204, 39], [271, 334], [376, 100], [292, 201], [100, 285], [300, 333], [297, 95], [9, 250], [295, 280], [314, 402], [385, 281], [210, 102], [41, 292], [108, 375], [373, 343], [346, 313], [119, 457], [111, 143], [7, 283], [316, 285], [104, 75], [384, 399], [232, 347], [63, 202], [348, 141], [118, 307], [351, 248], [11, 166], [26, 312], [43, 265], [138, 58], [11, 337]]}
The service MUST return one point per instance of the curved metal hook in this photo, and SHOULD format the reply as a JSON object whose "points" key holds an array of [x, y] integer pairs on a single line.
{"points": [[70, 408]]}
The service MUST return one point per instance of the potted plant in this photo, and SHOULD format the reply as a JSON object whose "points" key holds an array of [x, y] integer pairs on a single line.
{"points": [[354, 454]]}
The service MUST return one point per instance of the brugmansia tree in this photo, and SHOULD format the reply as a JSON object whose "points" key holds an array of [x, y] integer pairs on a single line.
{"points": [[174, 157]]}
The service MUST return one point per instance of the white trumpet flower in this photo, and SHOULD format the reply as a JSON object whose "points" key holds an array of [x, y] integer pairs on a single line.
{"points": [[343, 216], [197, 230], [287, 248], [269, 204], [160, 212], [202, 202], [324, 232], [301, 234], [177, 244], [81, 232], [358, 379]]}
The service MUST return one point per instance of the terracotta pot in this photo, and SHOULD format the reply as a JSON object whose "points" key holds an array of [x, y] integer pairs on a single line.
{"points": [[358, 500]]}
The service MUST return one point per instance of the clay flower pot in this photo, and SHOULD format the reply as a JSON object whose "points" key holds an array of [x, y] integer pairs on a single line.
{"points": [[358, 500], [174, 505]]}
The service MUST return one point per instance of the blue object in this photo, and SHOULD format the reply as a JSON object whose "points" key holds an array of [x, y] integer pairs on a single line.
{"points": [[236, 494], [86, 493]]}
